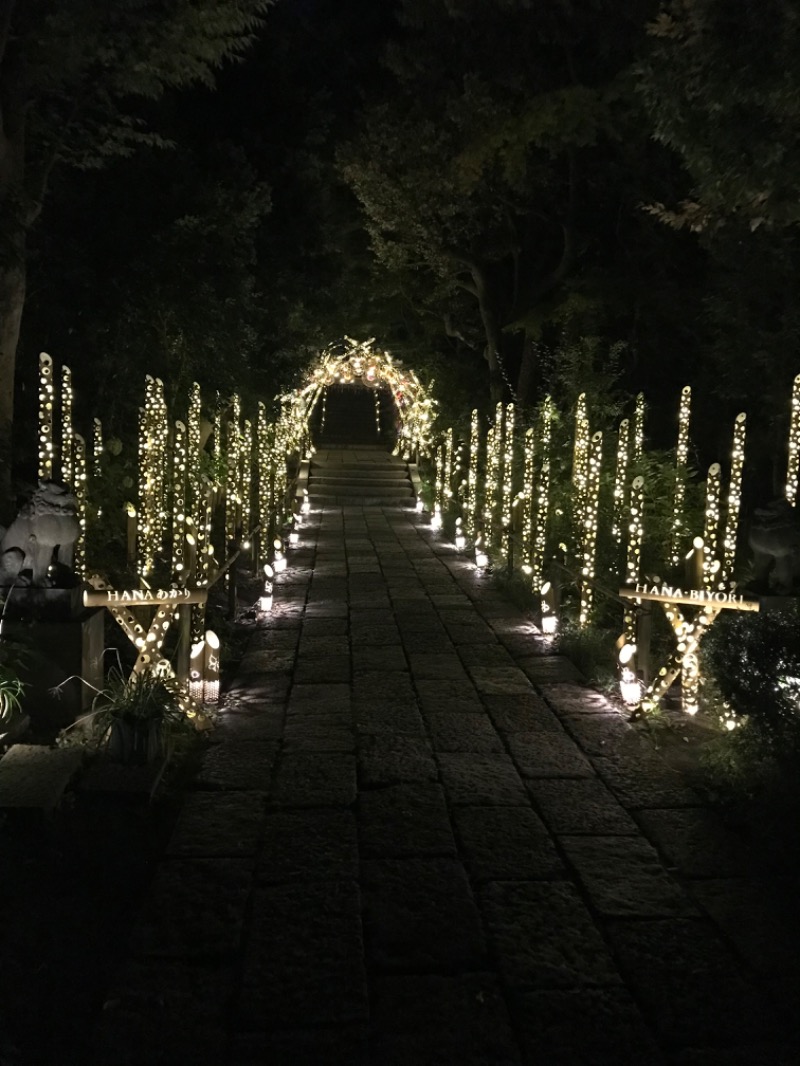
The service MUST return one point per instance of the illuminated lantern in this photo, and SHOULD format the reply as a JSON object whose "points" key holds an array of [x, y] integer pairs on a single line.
{"points": [[46, 404], [734, 501], [793, 465], [590, 528], [211, 668], [681, 460]]}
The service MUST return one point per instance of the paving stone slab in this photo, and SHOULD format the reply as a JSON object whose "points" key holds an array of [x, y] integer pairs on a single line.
{"points": [[644, 781], [281, 639], [195, 909], [319, 732], [691, 987], [163, 1012], [585, 1027], [420, 913], [218, 824], [379, 716], [474, 779], [459, 731], [404, 820], [304, 959], [265, 661], [33, 776], [433, 667], [318, 698], [441, 1021], [269, 688], [335, 1045], [580, 805], [423, 643], [386, 686], [544, 937], [331, 608], [389, 759], [569, 698], [485, 655], [458, 695], [369, 660], [238, 764], [522, 713], [749, 1055], [760, 917], [329, 627], [375, 636], [624, 877], [317, 671], [314, 647], [549, 669], [461, 634], [506, 844], [696, 842], [264, 722], [548, 754], [599, 734], [499, 680], [314, 779], [305, 846]]}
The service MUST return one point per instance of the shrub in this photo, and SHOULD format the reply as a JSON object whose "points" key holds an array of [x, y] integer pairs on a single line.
{"points": [[754, 661]]}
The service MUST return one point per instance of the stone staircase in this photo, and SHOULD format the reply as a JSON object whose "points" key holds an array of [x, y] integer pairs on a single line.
{"points": [[359, 475]]}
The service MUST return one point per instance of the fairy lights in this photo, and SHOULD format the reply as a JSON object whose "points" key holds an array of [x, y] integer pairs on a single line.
{"points": [[491, 475], [153, 435], [793, 465], [681, 460], [179, 468], [638, 428], [46, 404], [67, 432], [438, 488], [589, 538], [472, 475], [620, 482], [508, 468], [633, 562], [79, 481], [734, 500], [580, 460], [711, 531], [447, 474], [233, 475], [246, 476], [542, 496], [527, 499], [97, 445]]}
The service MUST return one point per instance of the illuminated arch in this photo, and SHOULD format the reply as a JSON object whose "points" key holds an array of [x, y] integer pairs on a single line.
{"points": [[352, 362]]}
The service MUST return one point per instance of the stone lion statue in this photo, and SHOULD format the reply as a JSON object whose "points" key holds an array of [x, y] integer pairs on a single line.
{"points": [[47, 521], [775, 539]]}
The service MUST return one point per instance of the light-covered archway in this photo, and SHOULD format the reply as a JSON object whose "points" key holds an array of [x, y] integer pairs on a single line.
{"points": [[352, 362]]}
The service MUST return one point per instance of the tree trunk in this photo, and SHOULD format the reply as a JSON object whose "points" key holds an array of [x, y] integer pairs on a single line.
{"points": [[12, 300], [528, 372]]}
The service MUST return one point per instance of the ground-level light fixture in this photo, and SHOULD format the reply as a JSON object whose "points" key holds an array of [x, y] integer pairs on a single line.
{"points": [[630, 687], [420, 506], [549, 616], [265, 599], [279, 563], [436, 518], [460, 538]]}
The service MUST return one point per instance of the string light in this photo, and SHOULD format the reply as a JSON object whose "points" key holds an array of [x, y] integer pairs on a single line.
{"points": [[527, 499], [67, 432], [734, 500], [97, 445], [580, 462], [711, 530], [588, 568], [79, 481], [620, 482], [508, 467], [447, 475], [46, 403], [233, 477], [633, 562], [246, 483], [472, 475], [542, 496], [179, 468], [793, 466], [681, 461], [638, 428]]}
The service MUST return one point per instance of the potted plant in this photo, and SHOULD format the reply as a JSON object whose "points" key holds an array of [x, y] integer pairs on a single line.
{"points": [[134, 716]]}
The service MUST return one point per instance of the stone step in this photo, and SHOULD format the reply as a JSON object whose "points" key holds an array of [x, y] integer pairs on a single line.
{"points": [[325, 489], [33, 777], [345, 479]]}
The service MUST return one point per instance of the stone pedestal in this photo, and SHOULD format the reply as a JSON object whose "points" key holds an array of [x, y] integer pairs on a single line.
{"points": [[54, 650]]}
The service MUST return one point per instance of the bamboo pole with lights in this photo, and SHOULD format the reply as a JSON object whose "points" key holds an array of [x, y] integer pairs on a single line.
{"points": [[97, 446], [681, 461], [472, 475], [580, 467], [179, 470], [589, 551], [47, 401], [491, 473], [79, 481], [542, 496], [233, 472], [729, 537], [638, 428], [633, 561], [527, 500], [508, 469], [621, 483], [712, 522], [793, 464], [67, 431], [246, 477]]}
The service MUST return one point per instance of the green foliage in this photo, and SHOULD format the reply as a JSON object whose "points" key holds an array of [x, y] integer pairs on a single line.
{"points": [[11, 686], [592, 652], [754, 661]]}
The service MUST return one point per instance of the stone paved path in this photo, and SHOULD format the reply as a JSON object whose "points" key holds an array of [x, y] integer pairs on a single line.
{"points": [[418, 841]]}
